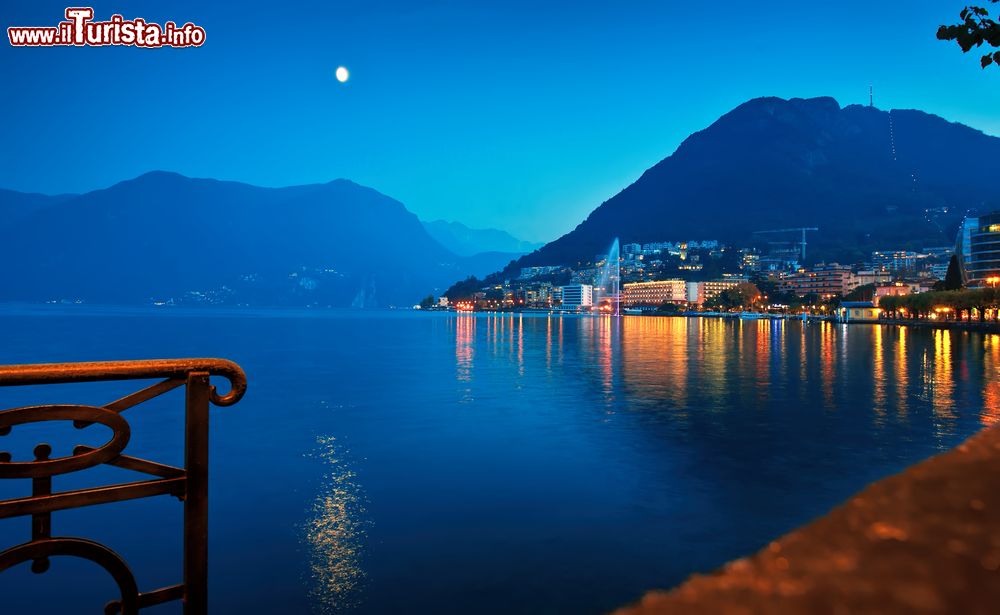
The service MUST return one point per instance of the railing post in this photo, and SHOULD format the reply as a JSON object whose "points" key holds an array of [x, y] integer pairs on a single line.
{"points": [[196, 499]]}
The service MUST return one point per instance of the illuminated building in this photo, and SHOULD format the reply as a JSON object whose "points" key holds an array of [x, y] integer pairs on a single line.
{"points": [[984, 252], [577, 296], [894, 260], [963, 246], [871, 276], [858, 311], [654, 293], [823, 280], [898, 289], [712, 288], [695, 293], [749, 259]]}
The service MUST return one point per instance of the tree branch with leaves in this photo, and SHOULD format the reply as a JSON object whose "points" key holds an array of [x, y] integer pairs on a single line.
{"points": [[976, 29]]}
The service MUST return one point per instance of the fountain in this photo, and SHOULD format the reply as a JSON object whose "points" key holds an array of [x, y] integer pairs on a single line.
{"points": [[606, 287]]}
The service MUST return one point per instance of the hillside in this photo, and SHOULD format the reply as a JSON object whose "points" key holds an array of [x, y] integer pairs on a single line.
{"points": [[869, 179], [162, 237]]}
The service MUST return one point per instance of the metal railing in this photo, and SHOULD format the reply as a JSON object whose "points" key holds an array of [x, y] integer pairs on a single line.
{"points": [[189, 484]]}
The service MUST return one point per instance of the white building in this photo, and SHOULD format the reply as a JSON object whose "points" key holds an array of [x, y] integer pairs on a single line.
{"points": [[695, 293], [577, 296]]}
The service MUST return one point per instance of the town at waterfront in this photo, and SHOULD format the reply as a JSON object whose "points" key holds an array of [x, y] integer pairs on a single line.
{"points": [[936, 285]]}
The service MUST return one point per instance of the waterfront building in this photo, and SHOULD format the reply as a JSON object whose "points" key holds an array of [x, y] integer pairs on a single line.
{"points": [[695, 293], [712, 288], [858, 311], [654, 293], [963, 246], [824, 280], [983, 267], [576, 296]]}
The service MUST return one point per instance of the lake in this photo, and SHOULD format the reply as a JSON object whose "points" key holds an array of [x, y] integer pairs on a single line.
{"points": [[386, 462]]}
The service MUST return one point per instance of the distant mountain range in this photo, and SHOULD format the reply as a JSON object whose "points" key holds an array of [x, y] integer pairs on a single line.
{"points": [[163, 237], [466, 241], [868, 179]]}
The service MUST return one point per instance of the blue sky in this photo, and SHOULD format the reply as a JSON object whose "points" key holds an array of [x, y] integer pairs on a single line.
{"points": [[517, 115]]}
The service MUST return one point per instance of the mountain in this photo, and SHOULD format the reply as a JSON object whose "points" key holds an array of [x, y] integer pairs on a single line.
{"points": [[868, 179], [466, 241], [15, 206], [163, 236]]}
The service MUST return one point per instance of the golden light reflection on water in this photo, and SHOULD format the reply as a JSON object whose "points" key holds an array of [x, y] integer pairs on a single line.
{"points": [[656, 356], [762, 356], [901, 373], [991, 376], [827, 361], [335, 534], [942, 381], [465, 338], [878, 371], [720, 362]]}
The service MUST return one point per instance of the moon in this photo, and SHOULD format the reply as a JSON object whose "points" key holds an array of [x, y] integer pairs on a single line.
{"points": [[342, 74]]}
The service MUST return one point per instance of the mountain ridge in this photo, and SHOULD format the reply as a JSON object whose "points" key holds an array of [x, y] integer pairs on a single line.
{"points": [[467, 241], [162, 237], [870, 179]]}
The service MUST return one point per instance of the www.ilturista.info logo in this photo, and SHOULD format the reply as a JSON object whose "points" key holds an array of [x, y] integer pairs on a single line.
{"points": [[80, 30]]}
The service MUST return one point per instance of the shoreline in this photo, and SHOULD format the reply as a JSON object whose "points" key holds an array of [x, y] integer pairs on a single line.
{"points": [[932, 529]]}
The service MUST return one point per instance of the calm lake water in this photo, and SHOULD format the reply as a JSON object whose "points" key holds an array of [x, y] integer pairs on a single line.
{"points": [[388, 462]]}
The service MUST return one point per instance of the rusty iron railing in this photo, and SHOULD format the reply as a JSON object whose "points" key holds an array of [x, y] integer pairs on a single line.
{"points": [[189, 484]]}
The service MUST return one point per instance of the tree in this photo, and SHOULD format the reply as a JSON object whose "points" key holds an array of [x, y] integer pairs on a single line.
{"points": [[953, 277], [427, 302], [668, 307], [865, 292], [890, 305], [743, 295], [464, 289], [975, 30]]}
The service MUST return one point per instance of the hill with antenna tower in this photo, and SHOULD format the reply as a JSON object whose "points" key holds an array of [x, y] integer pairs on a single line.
{"points": [[868, 179]]}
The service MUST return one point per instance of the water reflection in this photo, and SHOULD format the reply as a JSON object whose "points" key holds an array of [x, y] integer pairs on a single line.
{"points": [[991, 371], [942, 382], [335, 534], [878, 371], [668, 429], [707, 364], [465, 335], [901, 371]]}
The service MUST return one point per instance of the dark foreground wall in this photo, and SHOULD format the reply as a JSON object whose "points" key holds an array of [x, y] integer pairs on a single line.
{"points": [[924, 541]]}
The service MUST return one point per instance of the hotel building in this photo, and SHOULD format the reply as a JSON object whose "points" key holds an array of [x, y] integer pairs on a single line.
{"points": [[654, 293]]}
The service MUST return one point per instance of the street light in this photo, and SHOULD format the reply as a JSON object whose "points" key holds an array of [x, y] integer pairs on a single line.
{"points": [[992, 280]]}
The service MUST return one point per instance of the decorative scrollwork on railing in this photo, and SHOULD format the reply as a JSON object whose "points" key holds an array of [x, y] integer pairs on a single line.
{"points": [[189, 484]]}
